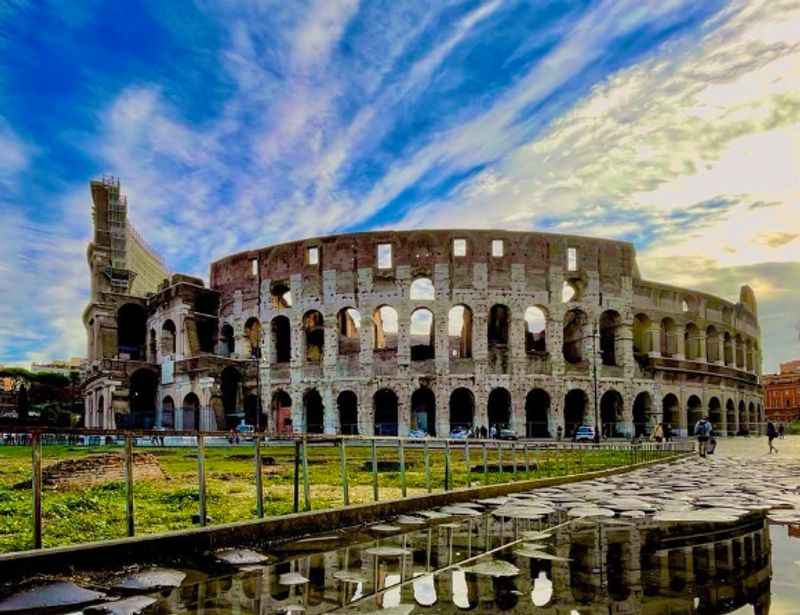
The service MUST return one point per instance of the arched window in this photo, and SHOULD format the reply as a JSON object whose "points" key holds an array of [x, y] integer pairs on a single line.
{"points": [[535, 330], [575, 405], [712, 345], [314, 412], [422, 336], [730, 417], [314, 330], [499, 409], [281, 339], [740, 350], [669, 342], [227, 340], [670, 411], [611, 415], [191, 412], [280, 295], [423, 411], [252, 331], [281, 412], [347, 405], [459, 329], [168, 413], [728, 348], [537, 414], [610, 322], [349, 324], [230, 387], [569, 292], [384, 325], [574, 333], [691, 342], [131, 331], [385, 412], [642, 414], [168, 338], [641, 335], [715, 413], [422, 290], [462, 410], [694, 412], [499, 319]]}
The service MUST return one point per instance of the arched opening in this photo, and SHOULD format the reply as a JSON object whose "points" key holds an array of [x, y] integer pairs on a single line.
{"points": [[749, 364], [742, 419], [280, 295], [499, 409], [281, 339], [385, 411], [569, 292], [694, 412], [730, 418], [751, 418], [281, 410], [168, 338], [610, 322], [670, 412], [252, 415], [712, 345], [191, 412], [611, 415], [537, 414], [314, 331], [728, 348], [691, 342], [423, 411], [384, 327], [347, 405], [227, 341], [575, 405], [669, 342], [168, 413], [218, 411], [462, 410], [641, 335], [574, 325], [252, 332], [535, 330], [422, 290], [421, 334], [141, 403], [153, 346], [131, 332], [230, 387], [499, 319], [459, 329], [349, 325], [642, 414], [313, 412], [715, 414], [739, 352]]}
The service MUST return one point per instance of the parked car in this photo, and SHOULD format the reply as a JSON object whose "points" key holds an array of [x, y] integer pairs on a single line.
{"points": [[459, 433], [417, 433], [584, 433], [245, 430], [507, 433]]}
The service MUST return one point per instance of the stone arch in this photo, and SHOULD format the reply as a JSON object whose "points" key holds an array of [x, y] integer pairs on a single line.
{"points": [[641, 334], [190, 409], [459, 327], [314, 336], [537, 414], [168, 412], [385, 408], [712, 344], [499, 408], [280, 295], [498, 325], [131, 331], [730, 417], [715, 413], [669, 341], [575, 322], [349, 328], [281, 412], [142, 391], [694, 412], [252, 333], [313, 412], [230, 389], [227, 340], [612, 417], [642, 414], [742, 418], [384, 326], [347, 406], [281, 330], [422, 289], [670, 411], [423, 410], [252, 414], [751, 417], [535, 329], [727, 344], [576, 405], [610, 323], [691, 342], [462, 409], [739, 357], [421, 333], [169, 338]]}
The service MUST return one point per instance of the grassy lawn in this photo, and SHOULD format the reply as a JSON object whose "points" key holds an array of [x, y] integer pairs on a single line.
{"points": [[96, 511]]}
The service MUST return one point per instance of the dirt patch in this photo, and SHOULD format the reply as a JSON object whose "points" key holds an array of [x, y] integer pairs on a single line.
{"points": [[93, 469], [265, 459]]}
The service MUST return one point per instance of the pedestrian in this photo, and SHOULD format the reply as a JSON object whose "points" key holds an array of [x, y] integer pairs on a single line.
{"points": [[772, 433], [493, 431], [780, 431], [658, 433], [559, 433], [668, 432], [484, 433], [702, 430]]}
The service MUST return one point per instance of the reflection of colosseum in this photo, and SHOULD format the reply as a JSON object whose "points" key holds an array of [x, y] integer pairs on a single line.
{"points": [[385, 332]]}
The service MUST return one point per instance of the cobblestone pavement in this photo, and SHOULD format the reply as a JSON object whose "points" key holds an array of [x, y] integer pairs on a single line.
{"points": [[757, 446]]}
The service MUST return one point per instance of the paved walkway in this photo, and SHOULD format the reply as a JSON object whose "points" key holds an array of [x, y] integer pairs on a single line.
{"points": [[756, 446]]}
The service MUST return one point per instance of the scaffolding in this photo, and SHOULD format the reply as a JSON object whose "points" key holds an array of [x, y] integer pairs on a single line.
{"points": [[116, 223]]}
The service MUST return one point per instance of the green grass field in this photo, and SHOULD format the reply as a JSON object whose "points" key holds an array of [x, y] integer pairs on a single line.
{"points": [[90, 512]]}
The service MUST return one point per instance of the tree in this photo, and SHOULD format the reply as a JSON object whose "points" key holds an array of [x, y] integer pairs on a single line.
{"points": [[23, 404]]}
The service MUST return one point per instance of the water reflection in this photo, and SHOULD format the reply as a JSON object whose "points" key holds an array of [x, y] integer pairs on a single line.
{"points": [[608, 566]]}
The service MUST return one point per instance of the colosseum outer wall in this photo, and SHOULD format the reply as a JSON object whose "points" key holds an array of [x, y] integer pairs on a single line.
{"points": [[635, 352]]}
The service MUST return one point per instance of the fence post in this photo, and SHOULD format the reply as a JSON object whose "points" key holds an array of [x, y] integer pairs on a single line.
{"points": [[201, 478], [296, 491], [402, 454], [447, 465], [514, 460], [467, 462], [485, 463], [129, 483], [343, 463], [527, 461], [259, 484], [306, 485], [36, 484], [427, 455], [374, 470], [500, 467]]}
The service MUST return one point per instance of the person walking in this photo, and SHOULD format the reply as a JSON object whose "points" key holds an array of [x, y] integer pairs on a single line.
{"points": [[658, 433], [668, 432], [772, 433], [780, 431], [702, 430]]}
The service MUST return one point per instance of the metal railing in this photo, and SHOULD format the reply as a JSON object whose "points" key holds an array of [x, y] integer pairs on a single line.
{"points": [[506, 453]]}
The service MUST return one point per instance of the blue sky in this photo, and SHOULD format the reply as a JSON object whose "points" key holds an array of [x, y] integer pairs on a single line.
{"points": [[672, 124]]}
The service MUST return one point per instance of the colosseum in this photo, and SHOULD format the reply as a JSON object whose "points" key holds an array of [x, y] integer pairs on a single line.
{"points": [[411, 332]]}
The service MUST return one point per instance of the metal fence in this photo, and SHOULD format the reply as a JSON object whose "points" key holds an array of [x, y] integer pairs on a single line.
{"points": [[511, 459]]}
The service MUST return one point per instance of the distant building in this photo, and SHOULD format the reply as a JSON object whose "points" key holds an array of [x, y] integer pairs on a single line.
{"points": [[782, 392], [74, 365]]}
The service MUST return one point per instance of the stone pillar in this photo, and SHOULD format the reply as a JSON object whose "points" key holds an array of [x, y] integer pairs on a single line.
{"points": [[330, 414], [403, 336], [734, 353], [366, 341], [702, 354], [330, 354], [555, 339], [653, 335], [298, 412], [680, 342], [720, 349], [298, 354], [479, 333], [442, 339]]}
